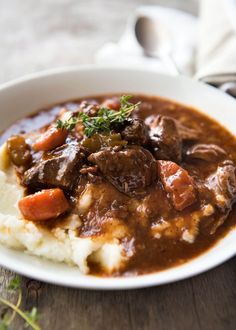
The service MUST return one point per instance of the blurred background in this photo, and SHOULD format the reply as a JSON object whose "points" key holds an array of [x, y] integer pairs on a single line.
{"points": [[37, 35]]}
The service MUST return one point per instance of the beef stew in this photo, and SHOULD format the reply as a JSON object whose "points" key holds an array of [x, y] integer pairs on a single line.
{"points": [[167, 173]]}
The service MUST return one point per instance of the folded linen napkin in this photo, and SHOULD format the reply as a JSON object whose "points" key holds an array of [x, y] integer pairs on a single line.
{"points": [[181, 28], [216, 51]]}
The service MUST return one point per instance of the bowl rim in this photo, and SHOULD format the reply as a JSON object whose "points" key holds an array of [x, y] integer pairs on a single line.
{"points": [[102, 67], [116, 283]]}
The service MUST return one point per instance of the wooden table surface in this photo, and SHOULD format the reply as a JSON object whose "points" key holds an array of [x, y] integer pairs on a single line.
{"points": [[49, 33]]}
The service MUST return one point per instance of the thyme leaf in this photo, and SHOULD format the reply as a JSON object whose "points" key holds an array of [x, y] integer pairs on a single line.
{"points": [[104, 122], [14, 284], [30, 318]]}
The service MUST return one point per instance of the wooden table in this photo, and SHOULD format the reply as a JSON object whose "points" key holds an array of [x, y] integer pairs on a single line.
{"points": [[28, 30]]}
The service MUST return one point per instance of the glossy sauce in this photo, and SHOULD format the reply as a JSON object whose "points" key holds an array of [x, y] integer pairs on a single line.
{"points": [[149, 254]]}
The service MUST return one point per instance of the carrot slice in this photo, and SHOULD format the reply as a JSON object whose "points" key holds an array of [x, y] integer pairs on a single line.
{"points": [[44, 205], [177, 183], [52, 138], [113, 103]]}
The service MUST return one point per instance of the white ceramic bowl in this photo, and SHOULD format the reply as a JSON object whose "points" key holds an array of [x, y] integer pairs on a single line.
{"points": [[24, 96]]}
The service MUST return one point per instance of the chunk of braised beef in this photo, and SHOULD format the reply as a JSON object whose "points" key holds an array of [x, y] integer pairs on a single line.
{"points": [[222, 186], [178, 184], [90, 108], [130, 170], [58, 168], [165, 139], [206, 152], [88, 169], [136, 132], [187, 134]]}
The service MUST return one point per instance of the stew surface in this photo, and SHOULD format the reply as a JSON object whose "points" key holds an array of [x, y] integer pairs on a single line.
{"points": [[160, 176]]}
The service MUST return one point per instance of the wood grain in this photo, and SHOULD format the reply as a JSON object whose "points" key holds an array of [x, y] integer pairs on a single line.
{"points": [[207, 301]]}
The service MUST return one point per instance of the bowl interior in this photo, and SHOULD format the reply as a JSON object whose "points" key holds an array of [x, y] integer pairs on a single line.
{"points": [[27, 95]]}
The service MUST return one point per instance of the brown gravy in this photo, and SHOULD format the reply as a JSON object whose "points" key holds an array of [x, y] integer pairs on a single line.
{"points": [[152, 254]]}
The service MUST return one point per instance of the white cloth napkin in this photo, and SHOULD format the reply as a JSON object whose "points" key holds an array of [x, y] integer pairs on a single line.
{"points": [[181, 27], [216, 55]]}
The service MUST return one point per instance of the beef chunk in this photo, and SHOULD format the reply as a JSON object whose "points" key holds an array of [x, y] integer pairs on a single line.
{"points": [[58, 168], [136, 132], [178, 184], [165, 139], [130, 170], [223, 184], [187, 134], [207, 152], [90, 108]]}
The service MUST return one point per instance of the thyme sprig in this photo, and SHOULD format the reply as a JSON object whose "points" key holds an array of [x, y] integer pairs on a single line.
{"points": [[30, 317], [104, 122]]}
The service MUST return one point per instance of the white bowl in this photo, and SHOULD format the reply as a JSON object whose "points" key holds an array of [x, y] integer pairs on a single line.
{"points": [[24, 96]]}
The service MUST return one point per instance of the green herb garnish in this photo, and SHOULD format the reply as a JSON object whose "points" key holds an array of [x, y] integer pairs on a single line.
{"points": [[105, 120], [14, 284], [30, 318]]}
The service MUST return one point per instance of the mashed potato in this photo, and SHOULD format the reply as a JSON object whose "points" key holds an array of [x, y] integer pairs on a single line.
{"points": [[59, 244]]}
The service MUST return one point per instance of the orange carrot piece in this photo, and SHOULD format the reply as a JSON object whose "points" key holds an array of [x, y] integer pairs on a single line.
{"points": [[44, 205], [113, 103], [52, 138], [177, 183]]}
